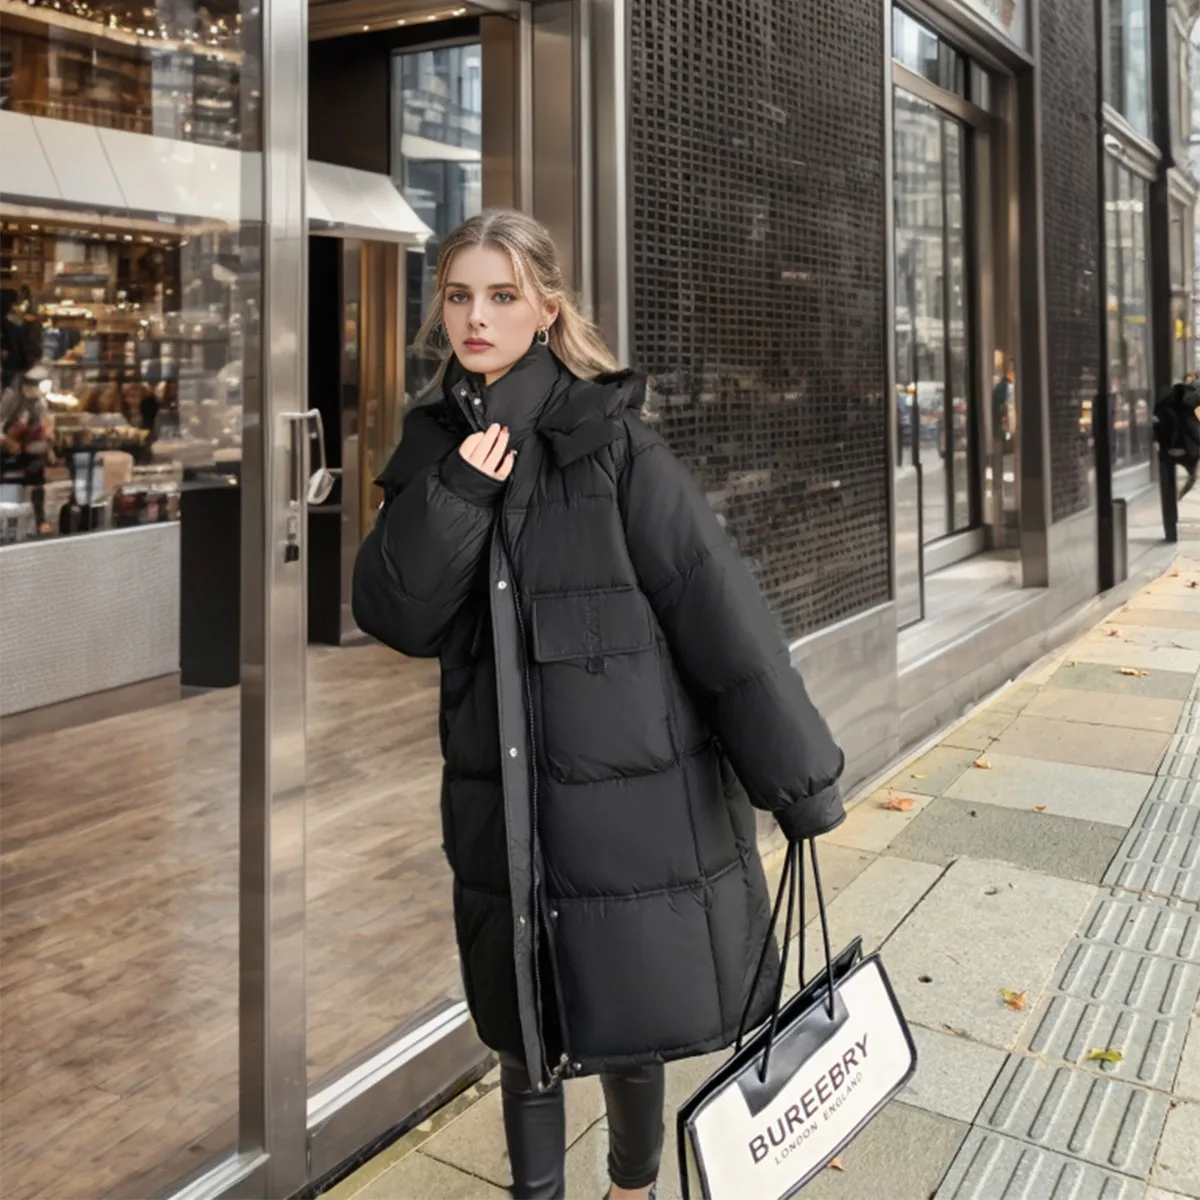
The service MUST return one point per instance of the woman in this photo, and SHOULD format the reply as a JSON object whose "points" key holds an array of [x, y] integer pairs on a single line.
{"points": [[609, 674]]}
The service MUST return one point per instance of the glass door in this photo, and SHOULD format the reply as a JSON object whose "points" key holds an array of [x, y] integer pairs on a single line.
{"points": [[937, 468]]}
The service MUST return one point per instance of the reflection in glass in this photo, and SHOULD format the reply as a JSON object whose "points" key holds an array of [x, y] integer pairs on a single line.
{"points": [[921, 50], [1128, 53], [934, 402], [1128, 315], [437, 123], [120, 839]]}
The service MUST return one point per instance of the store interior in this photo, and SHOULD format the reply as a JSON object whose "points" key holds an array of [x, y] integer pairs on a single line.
{"points": [[131, 303]]}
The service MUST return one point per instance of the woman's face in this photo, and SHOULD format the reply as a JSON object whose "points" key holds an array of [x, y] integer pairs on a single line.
{"points": [[489, 322]]}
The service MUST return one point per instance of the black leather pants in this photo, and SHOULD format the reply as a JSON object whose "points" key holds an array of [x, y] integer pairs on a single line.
{"points": [[536, 1130]]}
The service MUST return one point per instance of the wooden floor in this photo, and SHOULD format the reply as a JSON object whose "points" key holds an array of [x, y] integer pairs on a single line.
{"points": [[118, 920]]}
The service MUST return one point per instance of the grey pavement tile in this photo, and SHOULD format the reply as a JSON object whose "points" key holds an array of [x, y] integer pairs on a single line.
{"points": [[982, 729], [960, 939], [1013, 699], [1063, 789], [475, 1142], [1137, 750], [1094, 677], [1108, 975], [418, 1177], [901, 1155], [950, 829], [993, 1167], [1112, 652], [1165, 618], [1068, 1029], [1160, 862], [1147, 926], [933, 772], [1166, 637], [1187, 1079], [840, 866], [1182, 766], [1183, 601], [1098, 708], [871, 908], [1176, 792], [872, 827], [1159, 1194], [954, 1075], [1177, 1167], [1106, 1122]]}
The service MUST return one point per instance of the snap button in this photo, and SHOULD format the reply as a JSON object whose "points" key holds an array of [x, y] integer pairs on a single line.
{"points": [[513, 752], [502, 585], [477, 401]]}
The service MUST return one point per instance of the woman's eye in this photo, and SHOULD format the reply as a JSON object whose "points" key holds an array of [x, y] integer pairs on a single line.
{"points": [[504, 297], [457, 298]]}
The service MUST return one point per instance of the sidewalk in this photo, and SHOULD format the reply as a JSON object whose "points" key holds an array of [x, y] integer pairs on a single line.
{"points": [[1051, 848]]}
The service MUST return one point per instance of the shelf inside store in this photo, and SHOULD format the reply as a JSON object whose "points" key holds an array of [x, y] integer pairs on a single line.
{"points": [[18, 12]]}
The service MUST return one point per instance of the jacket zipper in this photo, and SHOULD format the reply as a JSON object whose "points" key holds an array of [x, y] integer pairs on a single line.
{"points": [[468, 402]]}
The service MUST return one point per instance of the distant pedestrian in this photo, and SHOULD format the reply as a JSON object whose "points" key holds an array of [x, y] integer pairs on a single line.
{"points": [[613, 687], [1177, 431]]}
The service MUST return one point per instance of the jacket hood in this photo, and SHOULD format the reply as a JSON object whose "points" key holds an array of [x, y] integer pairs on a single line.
{"points": [[591, 414]]}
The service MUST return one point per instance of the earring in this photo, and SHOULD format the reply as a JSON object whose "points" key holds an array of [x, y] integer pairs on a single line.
{"points": [[543, 336]]}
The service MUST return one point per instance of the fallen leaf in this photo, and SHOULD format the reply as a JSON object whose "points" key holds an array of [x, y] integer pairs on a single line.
{"points": [[916, 776], [1039, 808], [900, 803], [1107, 1055], [1014, 1000], [991, 891], [1114, 633], [1135, 672], [1192, 583], [1071, 663], [835, 1164], [983, 764]]}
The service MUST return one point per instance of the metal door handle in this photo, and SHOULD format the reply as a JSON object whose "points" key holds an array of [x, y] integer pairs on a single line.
{"points": [[305, 487]]}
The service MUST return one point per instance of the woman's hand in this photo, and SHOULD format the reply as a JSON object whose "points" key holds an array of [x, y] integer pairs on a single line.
{"points": [[488, 452]]}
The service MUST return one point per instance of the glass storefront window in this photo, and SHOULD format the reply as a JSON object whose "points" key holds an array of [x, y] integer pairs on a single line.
{"points": [[918, 48], [1130, 374], [437, 123], [1127, 61]]}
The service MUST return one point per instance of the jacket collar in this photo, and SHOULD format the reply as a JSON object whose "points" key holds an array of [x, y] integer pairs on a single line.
{"points": [[577, 417]]}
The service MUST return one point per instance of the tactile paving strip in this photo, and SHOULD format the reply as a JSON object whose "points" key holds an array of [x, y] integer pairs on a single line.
{"points": [[1163, 864], [990, 1166], [1149, 982], [1146, 925], [1106, 1122]]}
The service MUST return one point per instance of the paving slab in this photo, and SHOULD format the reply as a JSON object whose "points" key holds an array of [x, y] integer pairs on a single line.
{"points": [[1098, 708], [475, 1142], [954, 1075], [1105, 974], [982, 729], [991, 1166], [1177, 1167], [1063, 789], [1146, 925], [872, 827], [874, 905], [840, 866], [1164, 617], [1187, 1079], [1163, 863], [1137, 750], [933, 772], [1111, 652], [960, 938], [418, 1175], [950, 829], [1094, 677], [1167, 790], [1068, 1029], [1176, 602], [1012, 699], [881, 1163], [1165, 636], [1105, 1122], [1159, 1194]]}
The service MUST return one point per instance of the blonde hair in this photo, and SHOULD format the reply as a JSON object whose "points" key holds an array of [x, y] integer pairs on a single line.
{"points": [[576, 342]]}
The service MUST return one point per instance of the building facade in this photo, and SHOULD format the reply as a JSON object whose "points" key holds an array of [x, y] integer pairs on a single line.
{"points": [[906, 278]]}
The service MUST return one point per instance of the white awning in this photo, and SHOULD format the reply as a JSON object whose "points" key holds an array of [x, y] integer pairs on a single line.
{"points": [[63, 165], [427, 150], [351, 203]]}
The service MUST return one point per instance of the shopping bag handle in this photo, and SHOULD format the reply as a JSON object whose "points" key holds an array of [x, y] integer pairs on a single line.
{"points": [[791, 881]]}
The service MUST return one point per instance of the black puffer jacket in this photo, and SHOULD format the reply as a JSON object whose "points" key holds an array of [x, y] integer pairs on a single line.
{"points": [[606, 657]]}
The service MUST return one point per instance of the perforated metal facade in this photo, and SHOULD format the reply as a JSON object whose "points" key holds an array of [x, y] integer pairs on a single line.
{"points": [[1072, 237], [757, 148]]}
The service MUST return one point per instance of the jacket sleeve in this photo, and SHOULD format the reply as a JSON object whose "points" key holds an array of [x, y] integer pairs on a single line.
{"points": [[417, 566], [727, 644]]}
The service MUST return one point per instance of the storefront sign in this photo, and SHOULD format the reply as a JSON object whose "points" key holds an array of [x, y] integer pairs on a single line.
{"points": [[1011, 17]]}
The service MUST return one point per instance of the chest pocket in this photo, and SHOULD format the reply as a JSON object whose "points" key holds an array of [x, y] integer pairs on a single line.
{"points": [[604, 710]]}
